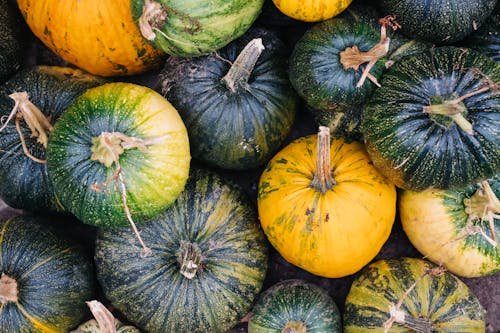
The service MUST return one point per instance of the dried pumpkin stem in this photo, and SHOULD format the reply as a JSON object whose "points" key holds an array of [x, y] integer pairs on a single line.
{"points": [[294, 327], [189, 259], [8, 289], [105, 319], [153, 16], [322, 180], [242, 67]]}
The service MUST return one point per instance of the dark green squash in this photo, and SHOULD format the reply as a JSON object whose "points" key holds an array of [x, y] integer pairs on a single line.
{"points": [[410, 295], [207, 266], [435, 121], [438, 21], [487, 38], [237, 115], [25, 183], [46, 278], [295, 306], [11, 43], [104, 322]]}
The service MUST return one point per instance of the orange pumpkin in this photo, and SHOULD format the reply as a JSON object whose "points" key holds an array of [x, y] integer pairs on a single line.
{"points": [[98, 36], [312, 10], [327, 213]]}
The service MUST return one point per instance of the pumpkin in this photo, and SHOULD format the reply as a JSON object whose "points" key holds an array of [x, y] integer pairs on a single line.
{"points": [[314, 205], [30, 103], [238, 115], [97, 36], [208, 262], [295, 306], [434, 122], [438, 21], [104, 321], [45, 277], [311, 10], [456, 228], [193, 27], [487, 38], [118, 155], [411, 295], [11, 45]]}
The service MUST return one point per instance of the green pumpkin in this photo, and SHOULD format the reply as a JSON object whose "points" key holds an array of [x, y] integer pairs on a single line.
{"points": [[45, 278], [237, 115], [435, 120], [295, 306], [487, 38], [193, 27], [436, 301], [104, 321], [25, 182], [207, 265], [438, 21], [120, 152], [11, 44]]}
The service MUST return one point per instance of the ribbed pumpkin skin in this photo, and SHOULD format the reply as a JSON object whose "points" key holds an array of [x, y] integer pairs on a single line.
{"points": [[333, 234], [195, 27], [25, 183], [418, 150], [11, 48], [154, 177], [98, 36], [233, 130], [445, 300], [436, 221], [312, 10], [92, 326], [438, 21], [152, 292], [54, 277], [315, 69], [295, 301]]}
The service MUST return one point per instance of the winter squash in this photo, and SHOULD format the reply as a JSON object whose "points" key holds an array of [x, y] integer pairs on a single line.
{"points": [[208, 262], [104, 321], [487, 38], [311, 10], [11, 45], [434, 122], [411, 295], [45, 277], [438, 21], [295, 306], [98, 36], [238, 115], [326, 213], [193, 27], [459, 229], [30, 103]]}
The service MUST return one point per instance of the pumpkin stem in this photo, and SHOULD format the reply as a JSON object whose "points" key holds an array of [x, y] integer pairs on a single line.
{"points": [[8, 289], [294, 327], [39, 125], [105, 319], [322, 180], [189, 259], [352, 57], [242, 68], [153, 16]]}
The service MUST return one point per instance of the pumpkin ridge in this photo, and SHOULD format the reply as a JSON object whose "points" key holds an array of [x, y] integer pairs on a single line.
{"points": [[36, 323], [48, 259]]}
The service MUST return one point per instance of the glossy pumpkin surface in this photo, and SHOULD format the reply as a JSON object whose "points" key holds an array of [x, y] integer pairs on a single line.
{"points": [[331, 233], [452, 227], [436, 301], [50, 276], [237, 116], [11, 46], [311, 10], [295, 306], [51, 89], [99, 36], [419, 149], [153, 169], [207, 266]]}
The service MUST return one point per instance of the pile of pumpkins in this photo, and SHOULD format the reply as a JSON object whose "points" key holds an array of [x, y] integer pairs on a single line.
{"points": [[407, 105]]}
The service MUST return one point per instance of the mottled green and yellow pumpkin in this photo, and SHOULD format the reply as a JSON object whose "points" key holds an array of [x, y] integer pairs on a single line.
{"points": [[311, 10], [104, 321]]}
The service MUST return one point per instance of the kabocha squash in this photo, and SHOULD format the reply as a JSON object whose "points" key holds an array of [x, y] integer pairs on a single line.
{"points": [[459, 229], [11, 45], [45, 278], [411, 295], [208, 262], [487, 38], [295, 306], [104, 322], [311, 10], [193, 27], [98, 36], [118, 155], [326, 213], [435, 121], [237, 104], [30, 103], [438, 21]]}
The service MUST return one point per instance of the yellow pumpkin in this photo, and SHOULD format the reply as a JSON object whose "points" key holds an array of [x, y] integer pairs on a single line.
{"points": [[327, 213], [312, 10], [98, 36]]}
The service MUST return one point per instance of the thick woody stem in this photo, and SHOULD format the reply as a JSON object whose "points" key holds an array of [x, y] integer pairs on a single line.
{"points": [[322, 180], [189, 259], [8, 289], [153, 16], [105, 319]]}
